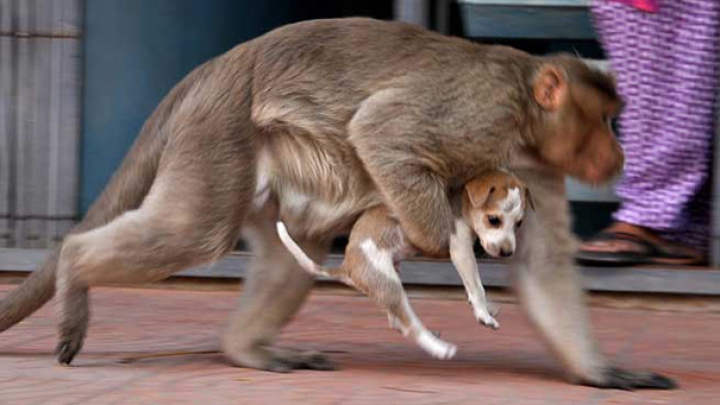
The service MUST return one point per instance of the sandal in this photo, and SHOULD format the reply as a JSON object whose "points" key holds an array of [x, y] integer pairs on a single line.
{"points": [[645, 252]]}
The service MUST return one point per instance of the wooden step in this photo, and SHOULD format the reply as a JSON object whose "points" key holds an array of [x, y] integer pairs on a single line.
{"points": [[677, 280]]}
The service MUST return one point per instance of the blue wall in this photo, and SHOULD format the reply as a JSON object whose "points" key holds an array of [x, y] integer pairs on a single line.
{"points": [[136, 50]]}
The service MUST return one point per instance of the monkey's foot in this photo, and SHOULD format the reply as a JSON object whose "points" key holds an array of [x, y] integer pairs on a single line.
{"points": [[283, 360], [73, 330], [304, 359], [315, 361], [630, 380], [68, 347]]}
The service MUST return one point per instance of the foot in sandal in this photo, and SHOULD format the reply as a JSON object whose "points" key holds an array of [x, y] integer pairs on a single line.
{"points": [[624, 244]]}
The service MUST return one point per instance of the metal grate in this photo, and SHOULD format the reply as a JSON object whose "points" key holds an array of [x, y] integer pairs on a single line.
{"points": [[39, 120]]}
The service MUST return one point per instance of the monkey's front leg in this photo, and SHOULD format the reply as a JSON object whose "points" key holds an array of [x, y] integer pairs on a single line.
{"points": [[550, 290], [463, 257], [390, 140]]}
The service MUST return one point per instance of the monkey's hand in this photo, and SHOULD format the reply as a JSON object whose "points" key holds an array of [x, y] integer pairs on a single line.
{"points": [[617, 378], [398, 148], [425, 215], [418, 199]]}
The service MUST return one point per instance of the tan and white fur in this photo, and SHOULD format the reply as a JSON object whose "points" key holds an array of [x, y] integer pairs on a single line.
{"points": [[490, 206]]}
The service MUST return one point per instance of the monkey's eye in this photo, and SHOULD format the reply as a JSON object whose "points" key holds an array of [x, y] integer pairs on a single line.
{"points": [[518, 224], [494, 220]]}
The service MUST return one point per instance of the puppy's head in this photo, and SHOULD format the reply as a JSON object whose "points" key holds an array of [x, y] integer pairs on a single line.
{"points": [[495, 204]]}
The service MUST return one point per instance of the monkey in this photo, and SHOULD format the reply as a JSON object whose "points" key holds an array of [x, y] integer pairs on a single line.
{"points": [[317, 122]]}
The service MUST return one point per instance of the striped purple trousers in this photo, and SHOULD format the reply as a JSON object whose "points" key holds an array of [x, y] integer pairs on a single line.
{"points": [[667, 70]]}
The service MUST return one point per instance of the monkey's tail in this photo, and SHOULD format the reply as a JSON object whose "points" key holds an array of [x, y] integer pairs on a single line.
{"points": [[302, 258], [125, 191]]}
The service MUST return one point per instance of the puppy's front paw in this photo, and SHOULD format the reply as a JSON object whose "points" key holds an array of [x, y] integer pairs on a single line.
{"points": [[484, 317], [485, 312]]}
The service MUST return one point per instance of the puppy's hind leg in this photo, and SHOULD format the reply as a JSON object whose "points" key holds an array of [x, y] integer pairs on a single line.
{"points": [[339, 273], [379, 280]]}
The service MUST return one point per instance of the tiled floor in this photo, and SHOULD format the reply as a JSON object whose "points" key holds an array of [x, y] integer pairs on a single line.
{"points": [[150, 346]]}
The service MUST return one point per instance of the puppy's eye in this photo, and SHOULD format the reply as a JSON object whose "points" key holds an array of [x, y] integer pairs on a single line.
{"points": [[494, 221], [519, 224]]}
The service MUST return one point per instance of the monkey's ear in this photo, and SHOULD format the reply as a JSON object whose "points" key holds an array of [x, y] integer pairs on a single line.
{"points": [[529, 199], [549, 87]]}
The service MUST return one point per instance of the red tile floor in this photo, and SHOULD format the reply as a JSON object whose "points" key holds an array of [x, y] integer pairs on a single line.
{"points": [[157, 346]]}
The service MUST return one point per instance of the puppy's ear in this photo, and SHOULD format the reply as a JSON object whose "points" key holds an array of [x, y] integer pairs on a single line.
{"points": [[529, 199], [478, 192]]}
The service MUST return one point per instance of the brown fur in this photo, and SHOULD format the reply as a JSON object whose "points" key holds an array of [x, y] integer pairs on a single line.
{"points": [[330, 118]]}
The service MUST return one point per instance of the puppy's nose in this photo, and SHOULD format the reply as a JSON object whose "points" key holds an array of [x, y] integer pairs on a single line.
{"points": [[506, 253]]}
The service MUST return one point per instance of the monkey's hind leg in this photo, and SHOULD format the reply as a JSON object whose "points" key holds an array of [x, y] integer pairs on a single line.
{"points": [[273, 292], [187, 218], [139, 246]]}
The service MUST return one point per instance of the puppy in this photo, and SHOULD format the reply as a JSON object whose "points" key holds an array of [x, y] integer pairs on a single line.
{"points": [[490, 206]]}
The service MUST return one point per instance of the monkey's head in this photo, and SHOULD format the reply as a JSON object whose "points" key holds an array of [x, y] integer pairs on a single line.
{"points": [[495, 203], [573, 133]]}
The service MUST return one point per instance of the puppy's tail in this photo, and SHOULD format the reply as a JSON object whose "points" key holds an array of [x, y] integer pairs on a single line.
{"points": [[302, 258]]}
